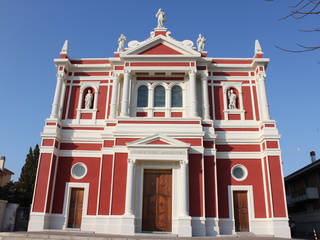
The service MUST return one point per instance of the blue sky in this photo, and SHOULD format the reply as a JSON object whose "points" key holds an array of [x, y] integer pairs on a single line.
{"points": [[32, 34]]}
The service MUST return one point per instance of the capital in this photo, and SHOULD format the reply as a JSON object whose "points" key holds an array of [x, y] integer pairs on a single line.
{"points": [[126, 71], [131, 161], [262, 76], [60, 74], [192, 72]]}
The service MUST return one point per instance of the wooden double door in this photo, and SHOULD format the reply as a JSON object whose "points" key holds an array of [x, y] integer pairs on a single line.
{"points": [[157, 200], [240, 206], [75, 208]]}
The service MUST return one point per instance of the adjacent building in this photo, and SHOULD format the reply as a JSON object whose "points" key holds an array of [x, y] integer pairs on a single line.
{"points": [[5, 174], [302, 188], [161, 137]]}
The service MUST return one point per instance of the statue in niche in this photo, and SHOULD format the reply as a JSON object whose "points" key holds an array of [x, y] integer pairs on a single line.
{"points": [[232, 97], [88, 100], [161, 18], [200, 42], [121, 41]]}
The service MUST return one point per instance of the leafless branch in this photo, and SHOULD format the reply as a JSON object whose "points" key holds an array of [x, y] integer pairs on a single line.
{"points": [[303, 48]]}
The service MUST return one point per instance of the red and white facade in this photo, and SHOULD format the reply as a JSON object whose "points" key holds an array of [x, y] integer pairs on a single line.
{"points": [[200, 141]]}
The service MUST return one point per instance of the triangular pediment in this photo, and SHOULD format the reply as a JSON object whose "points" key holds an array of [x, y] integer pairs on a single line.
{"points": [[160, 49], [161, 46], [158, 140]]}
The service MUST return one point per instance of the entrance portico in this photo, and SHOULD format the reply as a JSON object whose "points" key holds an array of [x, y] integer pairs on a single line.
{"points": [[158, 152]]}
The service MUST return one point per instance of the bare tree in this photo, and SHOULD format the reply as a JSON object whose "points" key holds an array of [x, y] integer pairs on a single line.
{"points": [[302, 9]]}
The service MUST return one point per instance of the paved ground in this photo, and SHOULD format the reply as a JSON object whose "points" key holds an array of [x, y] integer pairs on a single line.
{"points": [[86, 236]]}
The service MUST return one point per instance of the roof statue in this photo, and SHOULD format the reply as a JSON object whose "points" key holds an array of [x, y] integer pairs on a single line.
{"points": [[257, 48], [64, 49], [121, 41], [200, 42], [161, 18]]}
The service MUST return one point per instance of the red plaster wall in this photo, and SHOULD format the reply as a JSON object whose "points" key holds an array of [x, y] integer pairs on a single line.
{"points": [[256, 107], [234, 116], [64, 175], [74, 98], [159, 114], [238, 148], [123, 141], [210, 102], [65, 102], [254, 178], [192, 141], [53, 167], [109, 101], [208, 144], [160, 49], [42, 182], [176, 114], [102, 101], [267, 185], [108, 143], [247, 104], [218, 102], [81, 146], [105, 185], [119, 184], [142, 114], [195, 185], [210, 190], [272, 144], [276, 179], [47, 142], [86, 116]]}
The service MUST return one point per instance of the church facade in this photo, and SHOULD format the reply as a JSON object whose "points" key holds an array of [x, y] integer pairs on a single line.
{"points": [[160, 137]]}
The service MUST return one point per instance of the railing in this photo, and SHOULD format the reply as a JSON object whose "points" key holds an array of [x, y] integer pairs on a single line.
{"points": [[309, 194]]}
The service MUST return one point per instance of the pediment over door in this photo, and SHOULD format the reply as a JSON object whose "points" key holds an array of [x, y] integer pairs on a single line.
{"points": [[158, 147]]}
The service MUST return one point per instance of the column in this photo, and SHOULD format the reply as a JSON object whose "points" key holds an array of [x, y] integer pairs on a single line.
{"points": [[130, 186], [193, 95], [57, 94], [168, 102], [184, 190], [263, 96], [63, 93], [113, 105], [125, 94], [205, 97]]}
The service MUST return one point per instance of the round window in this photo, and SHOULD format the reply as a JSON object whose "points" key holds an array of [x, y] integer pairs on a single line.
{"points": [[79, 170], [239, 172]]}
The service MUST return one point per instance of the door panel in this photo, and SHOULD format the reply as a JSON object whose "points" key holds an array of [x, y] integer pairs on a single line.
{"points": [[75, 208], [157, 200], [240, 203]]}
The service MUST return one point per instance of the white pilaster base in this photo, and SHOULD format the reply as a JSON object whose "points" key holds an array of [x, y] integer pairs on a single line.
{"points": [[38, 222], [198, 226], [281, 228], [212, 227], [261, 227], [226, 227], [183, 227], [127, 225]]}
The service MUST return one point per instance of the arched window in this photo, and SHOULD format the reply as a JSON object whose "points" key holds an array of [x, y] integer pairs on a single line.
{"points": [[176, 96], [142, 96], [159, 96]]}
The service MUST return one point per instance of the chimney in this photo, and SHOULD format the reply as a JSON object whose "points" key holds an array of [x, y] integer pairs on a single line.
{"points": [[313, 156], [2, 160]]}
